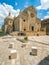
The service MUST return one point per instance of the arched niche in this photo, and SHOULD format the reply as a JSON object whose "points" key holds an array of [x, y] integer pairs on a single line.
{"points": [[32, 26]]}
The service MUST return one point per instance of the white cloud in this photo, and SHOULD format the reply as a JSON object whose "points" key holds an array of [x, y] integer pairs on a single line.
{"points": [[44, 4], [41, 19], [5, 9], [47, 16], [47, 12]]}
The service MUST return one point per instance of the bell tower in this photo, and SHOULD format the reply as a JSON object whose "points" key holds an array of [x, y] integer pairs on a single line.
{"points": [[9, 13]]}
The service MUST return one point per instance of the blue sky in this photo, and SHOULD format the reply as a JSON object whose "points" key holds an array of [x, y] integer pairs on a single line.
{"points": [[15, 6], [21, 3]]}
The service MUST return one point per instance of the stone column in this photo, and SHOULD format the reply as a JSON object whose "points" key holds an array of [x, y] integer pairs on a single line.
{"points": [[20, 24]]}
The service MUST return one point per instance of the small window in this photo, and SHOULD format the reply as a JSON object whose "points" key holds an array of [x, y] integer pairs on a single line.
{"points": [[47, 34], [24, 29], [24, 20], [37, 34], [10, 21], [32, 15], [45, 21], [38, 30], [38, 23], [42, 29], [26, 12], [9, 57], [21, 34]]}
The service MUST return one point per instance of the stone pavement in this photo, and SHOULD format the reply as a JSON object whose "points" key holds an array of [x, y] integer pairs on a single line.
{"points": [[23, 53]]}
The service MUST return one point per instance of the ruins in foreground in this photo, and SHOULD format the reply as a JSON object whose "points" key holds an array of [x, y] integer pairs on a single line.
{"points": [[34, 51]]}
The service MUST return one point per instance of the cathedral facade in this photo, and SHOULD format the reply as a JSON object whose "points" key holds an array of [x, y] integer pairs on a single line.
{"points": [[26, 23]]}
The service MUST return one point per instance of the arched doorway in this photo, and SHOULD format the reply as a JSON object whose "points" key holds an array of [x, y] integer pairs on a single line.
{"points": [[32, 26]]}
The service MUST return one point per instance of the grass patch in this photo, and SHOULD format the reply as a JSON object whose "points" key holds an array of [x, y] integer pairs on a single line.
{"points": [[26, 38], [2, 33]]}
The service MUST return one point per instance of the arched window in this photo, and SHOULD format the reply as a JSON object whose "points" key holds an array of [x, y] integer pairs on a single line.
{"points": [[32, 15]]}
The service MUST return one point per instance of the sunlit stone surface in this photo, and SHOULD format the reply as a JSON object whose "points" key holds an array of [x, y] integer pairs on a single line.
{"points": [[23, 56]]}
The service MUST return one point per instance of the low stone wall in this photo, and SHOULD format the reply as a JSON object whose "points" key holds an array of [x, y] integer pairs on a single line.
{"points": [[29, 33], [35, 33]]}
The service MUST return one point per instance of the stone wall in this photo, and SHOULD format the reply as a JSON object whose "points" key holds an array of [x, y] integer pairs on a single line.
{"points": [[26, 21]]}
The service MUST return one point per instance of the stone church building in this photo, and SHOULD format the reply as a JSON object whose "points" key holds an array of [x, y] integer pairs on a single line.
{"points": [[26, 23], [45, 23]]}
